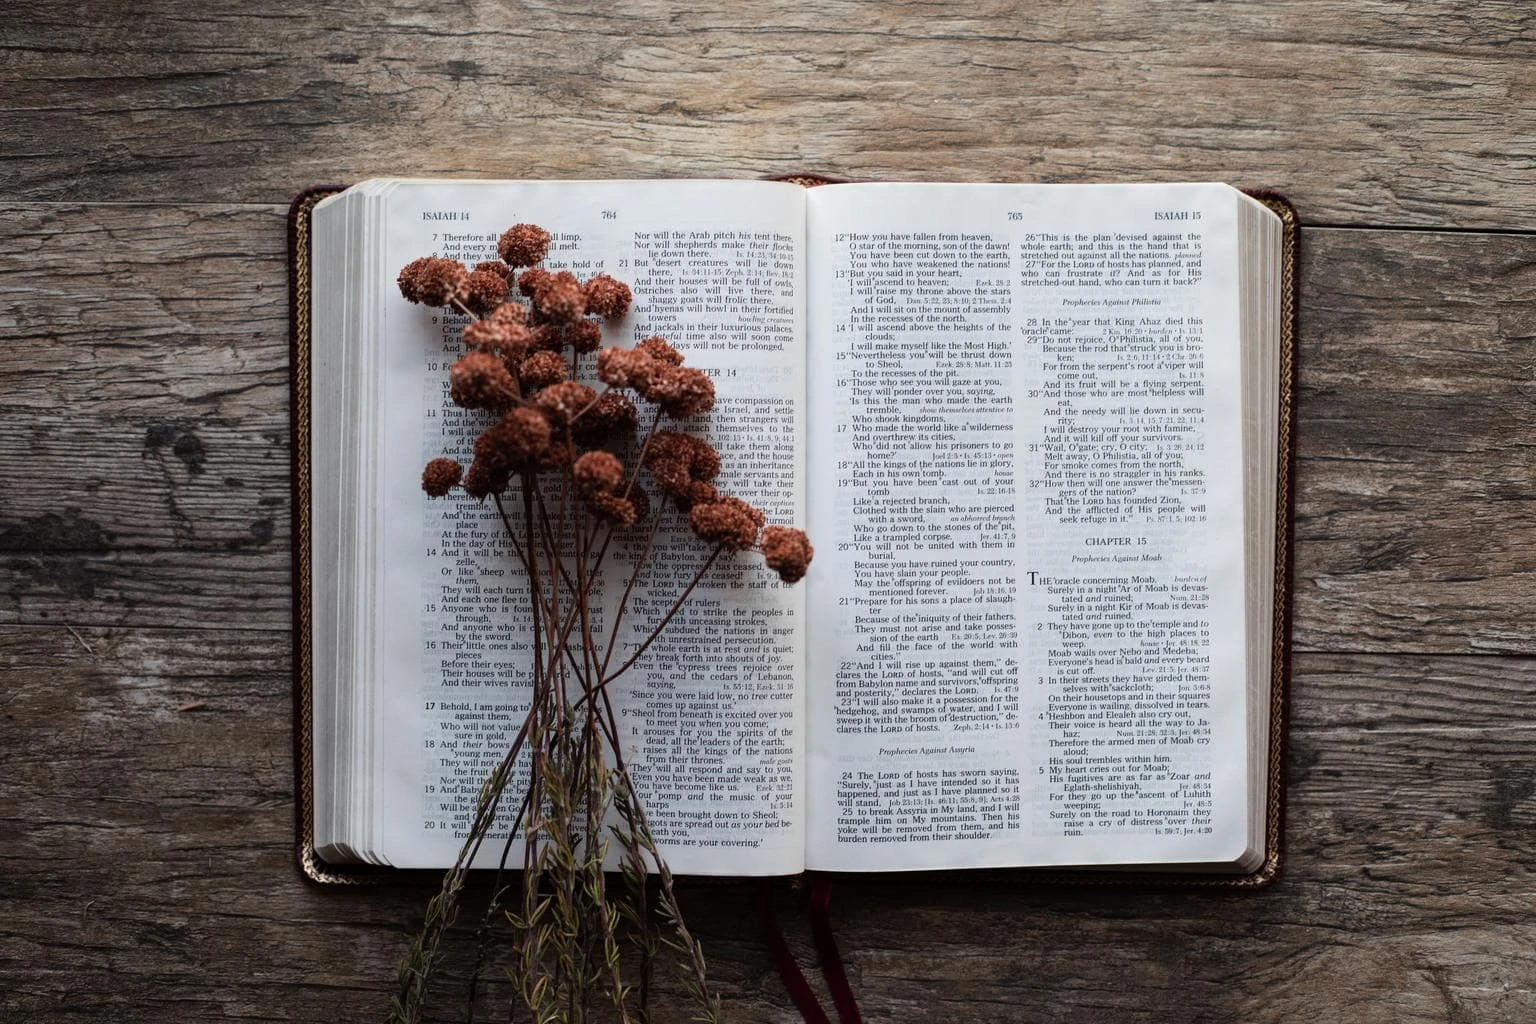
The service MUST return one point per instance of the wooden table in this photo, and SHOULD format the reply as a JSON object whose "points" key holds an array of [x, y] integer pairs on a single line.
{"points": [[147, 156]]}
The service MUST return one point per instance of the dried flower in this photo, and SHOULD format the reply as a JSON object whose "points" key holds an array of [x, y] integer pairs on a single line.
{"points": [[639, 499], [617, 510], [611, 417], [560, 300], [672, 479], [547, 337], [703, 460], [728, 521], [480, 381], [541, 369], [482, 291], [519, 358], [669, 446], [786, 551], [485, 479], [531, 281], [598, 472], [431, 280], [682, 465], [509, 312], [441, 476], [697, 492], [607, 297], [563, 402], [558, 457], [502, 337], [410, 276], [518, 441], [584, 336], [681, 391], [498, 268], [625, 368], [523, 245], [658, 349]]}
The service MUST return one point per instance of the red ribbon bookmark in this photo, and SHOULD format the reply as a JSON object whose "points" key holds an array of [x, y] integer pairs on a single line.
{"points": [[827, 956]]}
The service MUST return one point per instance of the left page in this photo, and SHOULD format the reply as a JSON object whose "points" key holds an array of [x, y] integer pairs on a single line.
{"points": [[712, 715]]}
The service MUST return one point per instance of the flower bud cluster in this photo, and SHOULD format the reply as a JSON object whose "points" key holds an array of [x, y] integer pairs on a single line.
{"points": [[522, 355]]}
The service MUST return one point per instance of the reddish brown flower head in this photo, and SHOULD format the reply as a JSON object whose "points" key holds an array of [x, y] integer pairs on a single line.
{"points": [[608, 297], [540, 370], [672, 478], [510, 312], [658, 349], [441, 476], [614, 509], [431, 280], [704, 461], [698, 492], [681, 391], [565, 401], [498, 268], [558, 457], [560, 299], [682, 465], [500, 337], [669, 446], [625, 368], [480, 381], [410, 277], [485, 479], [547, 338], [639, 499], [728, 521], [611, 416], [523, 245], [482, 291], [584, 336], [530, 282], [517, 441], [787, 552], [598, 472]]}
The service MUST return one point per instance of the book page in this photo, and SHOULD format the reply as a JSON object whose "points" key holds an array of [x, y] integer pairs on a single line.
{"points": [[1028, 643], [712, 715]]}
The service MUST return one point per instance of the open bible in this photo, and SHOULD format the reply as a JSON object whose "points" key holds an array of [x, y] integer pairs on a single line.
{"points": [[1037, 433]]}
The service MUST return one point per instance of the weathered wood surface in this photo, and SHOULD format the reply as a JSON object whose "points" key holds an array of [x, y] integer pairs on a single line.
{"points": [[155, 376], [147, 871], [1369, 111], [149, 152]]}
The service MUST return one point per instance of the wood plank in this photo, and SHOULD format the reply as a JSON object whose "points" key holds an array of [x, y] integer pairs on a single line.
{"points": [[158, 374], [1413, 491], [1368, 112], [150, 819], [144, 360]]}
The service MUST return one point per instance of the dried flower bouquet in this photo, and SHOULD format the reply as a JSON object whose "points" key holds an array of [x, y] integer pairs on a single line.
{"points": [[562, 461]]}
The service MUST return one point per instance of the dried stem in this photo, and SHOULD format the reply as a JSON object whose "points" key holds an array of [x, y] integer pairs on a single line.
{"points": [[580, 810]]}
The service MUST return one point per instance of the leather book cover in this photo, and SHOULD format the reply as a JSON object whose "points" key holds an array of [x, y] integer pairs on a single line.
{"points": [[320, 872]]}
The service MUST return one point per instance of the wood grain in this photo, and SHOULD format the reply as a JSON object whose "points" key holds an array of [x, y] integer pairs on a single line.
{"points": [[144, 360], [1368, 112], [150, 152], [149, 874], [158, 375], [1415, 484]]}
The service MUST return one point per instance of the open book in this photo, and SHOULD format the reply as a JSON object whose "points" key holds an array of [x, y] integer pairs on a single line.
{"points": [[1036, 433]]}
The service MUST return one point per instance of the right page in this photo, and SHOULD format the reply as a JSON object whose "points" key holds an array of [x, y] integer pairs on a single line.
{"points": [[1028, 637]]}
